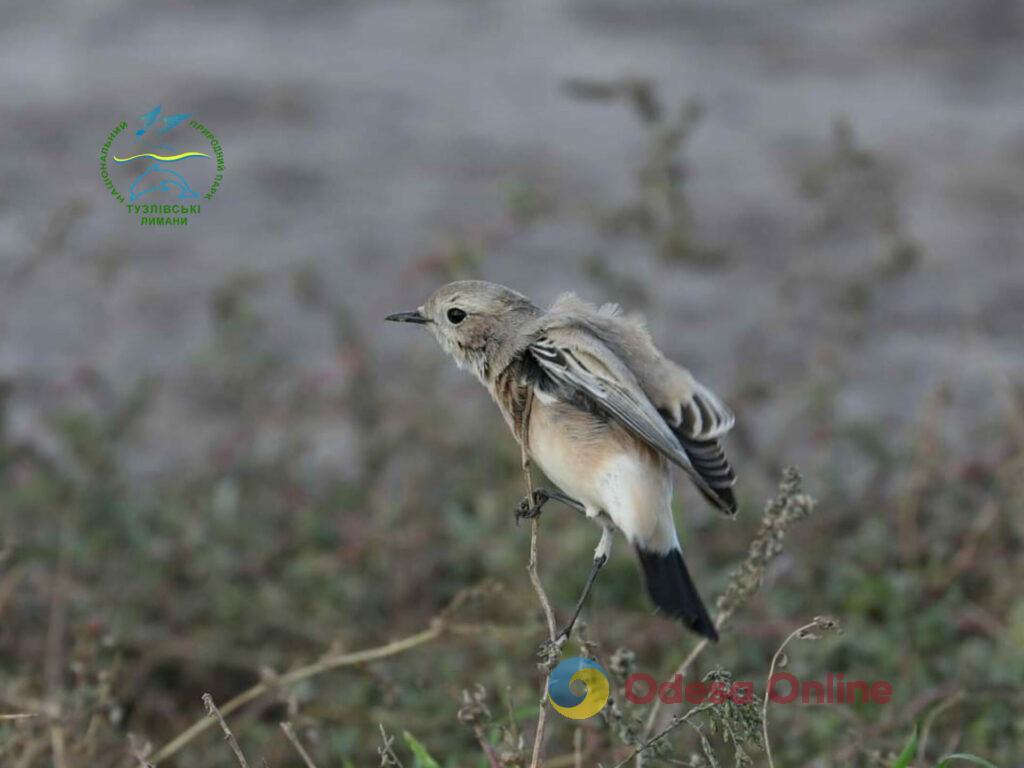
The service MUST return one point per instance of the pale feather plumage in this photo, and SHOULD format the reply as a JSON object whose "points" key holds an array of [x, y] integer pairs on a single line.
{"points": [[606, 357], [601, 410]]}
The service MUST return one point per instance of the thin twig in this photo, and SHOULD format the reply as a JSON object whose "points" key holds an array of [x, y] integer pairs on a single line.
{"points": [[438, 626], [675, 723], [538, 587], [289, 732], [213, 712], [549, 615], [767, 686], [19, 715], [435, 630], [538, 740], [387, 754]]}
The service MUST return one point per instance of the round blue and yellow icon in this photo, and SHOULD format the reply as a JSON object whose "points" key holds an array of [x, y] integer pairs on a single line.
{"points": [[578, 670]]}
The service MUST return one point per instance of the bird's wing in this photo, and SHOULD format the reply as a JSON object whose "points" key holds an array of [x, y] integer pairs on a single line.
{"points": [[694, 414], [580, 366], [689, 407]]}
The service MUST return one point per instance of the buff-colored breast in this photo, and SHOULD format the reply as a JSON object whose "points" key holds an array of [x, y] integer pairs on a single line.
{"points": [[602, 466]]}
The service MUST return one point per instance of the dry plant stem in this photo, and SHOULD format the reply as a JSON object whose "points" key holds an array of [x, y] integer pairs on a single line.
{"points": [[549, 615], [538, 742], [538, 587], [214, 713], [289, 732], [19, 716], [767, 688], [435, 630], [676, 722], [684, 666], [386, 752]]}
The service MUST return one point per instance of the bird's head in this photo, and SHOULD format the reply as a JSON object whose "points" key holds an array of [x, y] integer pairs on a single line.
{"points": [[472, 320]]}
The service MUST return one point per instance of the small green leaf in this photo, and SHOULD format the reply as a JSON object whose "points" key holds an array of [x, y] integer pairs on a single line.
{"points": [[909, 752], [968, 758], [423, 758]]}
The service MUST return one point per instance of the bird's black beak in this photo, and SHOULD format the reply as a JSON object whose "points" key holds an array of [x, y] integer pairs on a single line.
{"points": [[408, 317]]}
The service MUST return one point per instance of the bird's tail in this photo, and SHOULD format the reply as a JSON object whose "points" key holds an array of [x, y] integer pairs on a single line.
{"points": [[672, 590]]}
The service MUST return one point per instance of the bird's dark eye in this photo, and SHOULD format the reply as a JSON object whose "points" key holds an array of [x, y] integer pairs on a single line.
{"points": [[456, 315]]}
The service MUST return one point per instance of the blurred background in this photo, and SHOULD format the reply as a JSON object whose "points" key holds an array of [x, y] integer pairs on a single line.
{"points": [[217, 463]]}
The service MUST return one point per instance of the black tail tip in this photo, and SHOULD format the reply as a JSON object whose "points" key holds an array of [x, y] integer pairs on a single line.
{"points": [[674, 593], [704, 627]]}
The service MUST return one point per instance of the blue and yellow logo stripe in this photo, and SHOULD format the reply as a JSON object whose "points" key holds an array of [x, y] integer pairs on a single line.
{"points": [[161, 158], [571, 704]]}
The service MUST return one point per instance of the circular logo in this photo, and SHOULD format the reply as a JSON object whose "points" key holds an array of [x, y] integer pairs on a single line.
{"points": [[163, 171], [585, 672]]}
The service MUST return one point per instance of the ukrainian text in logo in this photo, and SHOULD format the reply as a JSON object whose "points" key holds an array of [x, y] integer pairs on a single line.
{"points": [[577, 674], [163, 171]]}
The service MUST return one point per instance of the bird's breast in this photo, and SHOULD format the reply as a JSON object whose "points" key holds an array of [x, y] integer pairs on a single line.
{"points": [[599, 464]]}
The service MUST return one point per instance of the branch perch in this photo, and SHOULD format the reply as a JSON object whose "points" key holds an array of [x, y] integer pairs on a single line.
{"points": [[552, 646]]}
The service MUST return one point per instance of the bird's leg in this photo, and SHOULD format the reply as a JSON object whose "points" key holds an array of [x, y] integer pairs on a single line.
{"points": [[530, 508], [604, 548]]}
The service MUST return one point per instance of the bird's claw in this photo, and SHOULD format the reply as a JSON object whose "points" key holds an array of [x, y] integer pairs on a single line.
{"points": [[530, 508], [551, 651]]}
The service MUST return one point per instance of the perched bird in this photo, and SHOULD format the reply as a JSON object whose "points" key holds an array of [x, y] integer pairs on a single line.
{"points": [[603, 413]]}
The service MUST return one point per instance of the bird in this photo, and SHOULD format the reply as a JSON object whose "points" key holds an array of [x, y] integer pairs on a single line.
{"points": [[603, 413]]}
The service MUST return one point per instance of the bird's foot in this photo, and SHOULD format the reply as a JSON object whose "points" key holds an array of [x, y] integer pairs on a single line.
{"points": [[530, 508], [550, 652]]}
